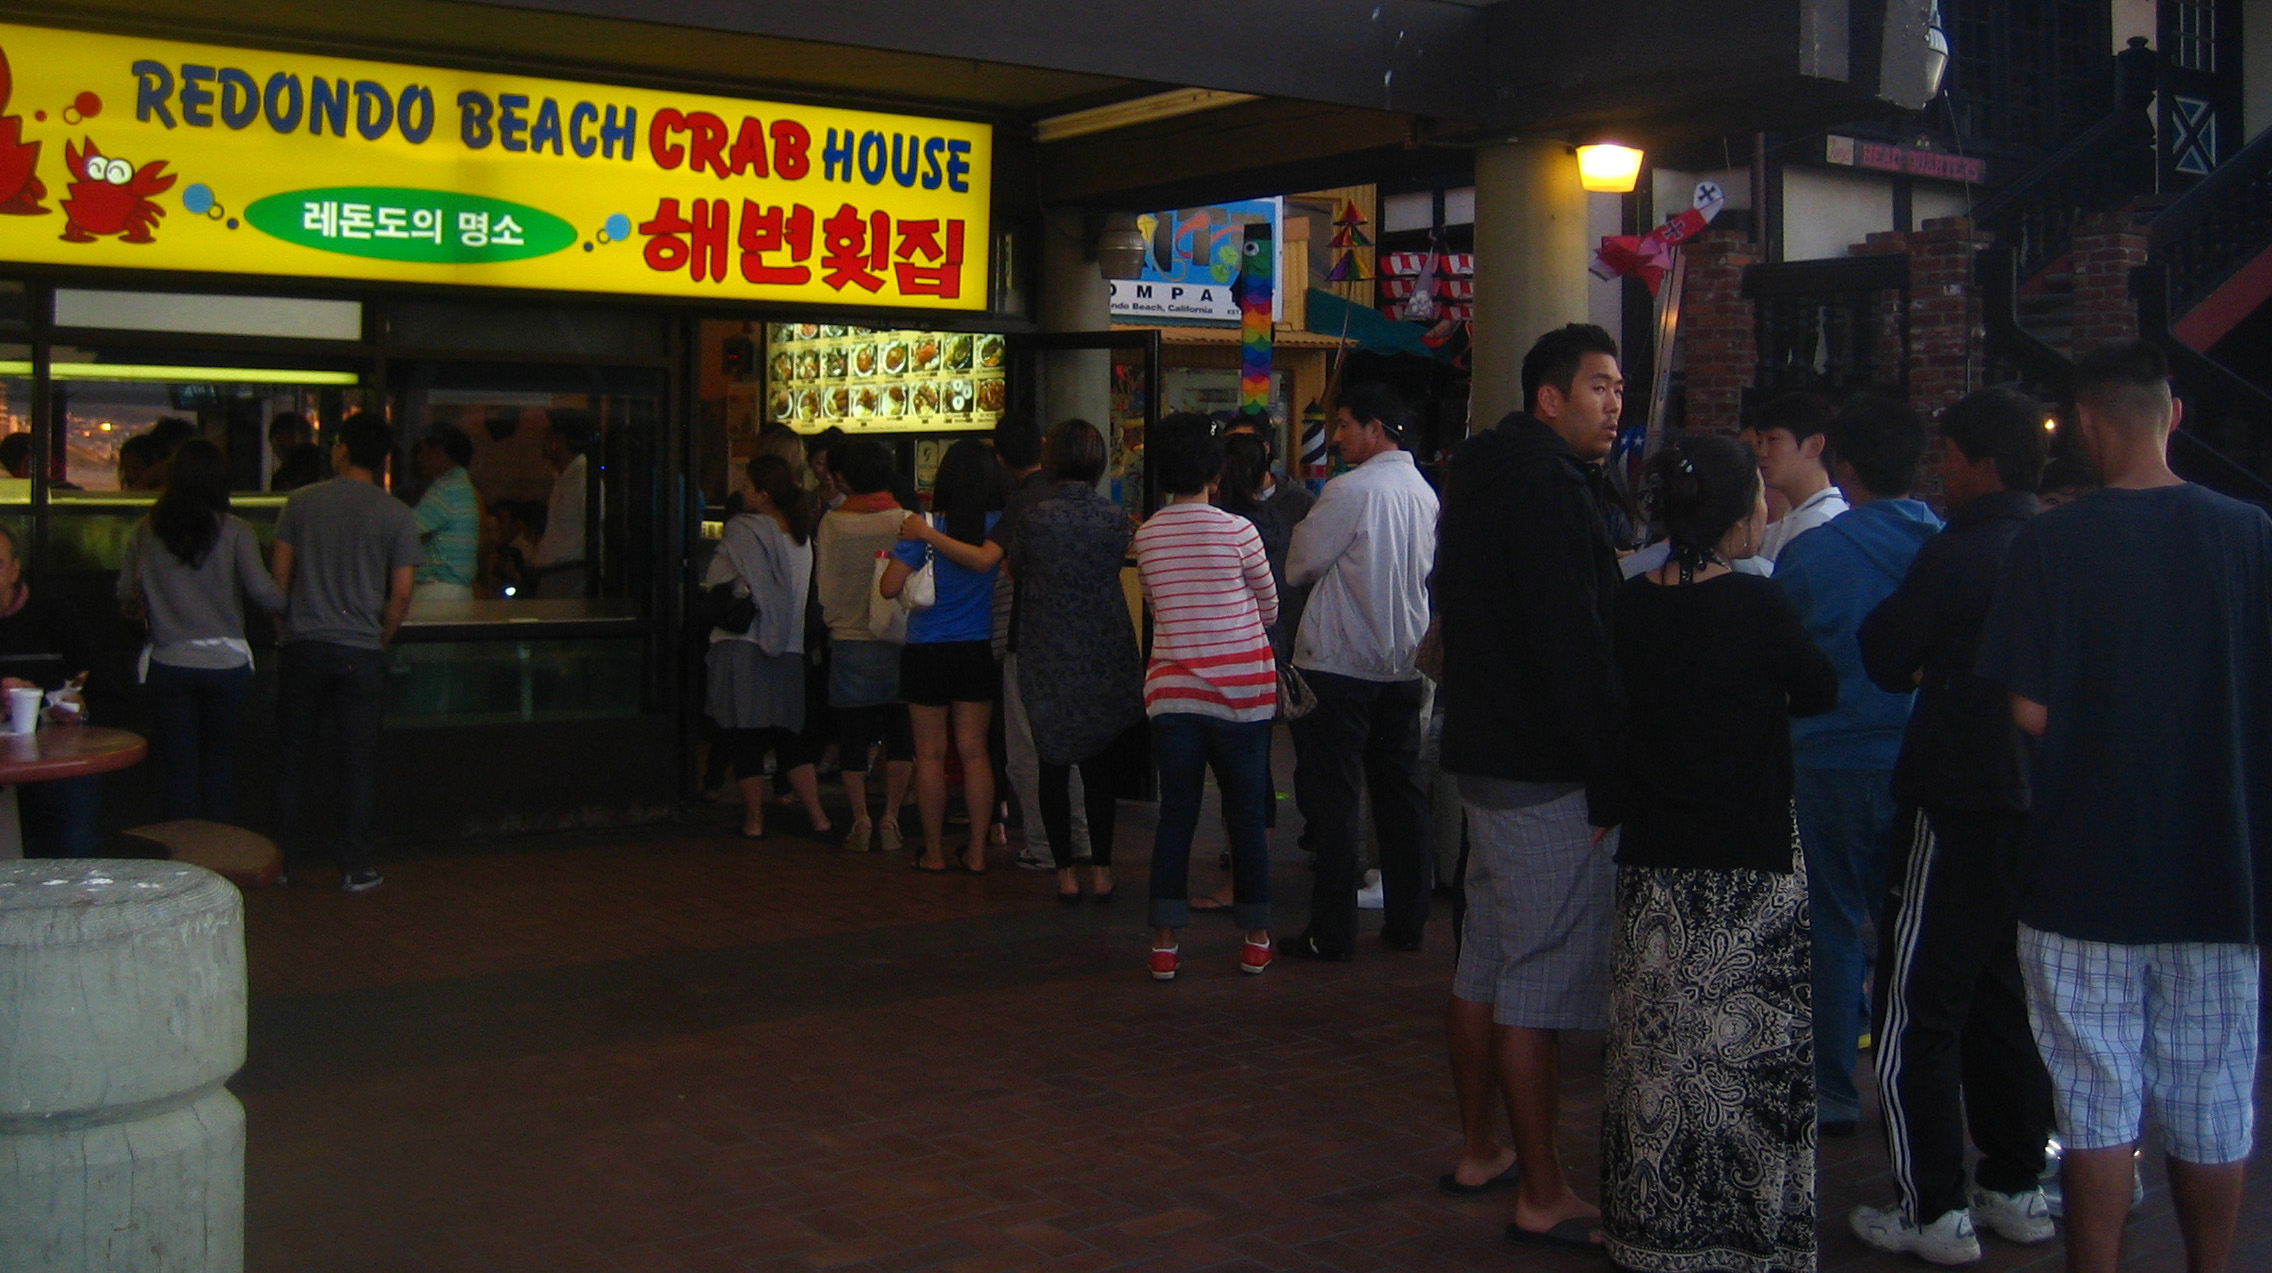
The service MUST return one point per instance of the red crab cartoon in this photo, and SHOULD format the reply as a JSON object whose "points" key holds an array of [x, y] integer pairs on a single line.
{"points": [[20, 190], [111, 196]]}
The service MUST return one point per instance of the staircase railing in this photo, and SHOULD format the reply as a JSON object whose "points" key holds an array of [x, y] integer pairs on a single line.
{"points": [[2225, 439], [2106, 166], [2013, 351], [2220, 225]]}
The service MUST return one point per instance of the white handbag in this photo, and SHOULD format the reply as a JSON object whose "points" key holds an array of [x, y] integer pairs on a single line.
{"points": [[887, 616]]}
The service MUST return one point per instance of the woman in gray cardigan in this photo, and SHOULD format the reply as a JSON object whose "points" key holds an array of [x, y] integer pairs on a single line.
{"points": [[189, 566]]}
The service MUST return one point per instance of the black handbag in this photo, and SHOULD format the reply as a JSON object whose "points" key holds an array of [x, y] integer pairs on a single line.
{"points": [[722, 607]]}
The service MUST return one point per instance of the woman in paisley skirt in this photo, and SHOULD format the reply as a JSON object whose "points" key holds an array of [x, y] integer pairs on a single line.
{"points": [[1078, 670], [1708, 1135]]}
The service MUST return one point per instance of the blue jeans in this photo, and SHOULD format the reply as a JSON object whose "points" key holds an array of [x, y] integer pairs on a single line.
{"points": [[1846, 819], [195, 710], [347, 684], [1185, 744]]}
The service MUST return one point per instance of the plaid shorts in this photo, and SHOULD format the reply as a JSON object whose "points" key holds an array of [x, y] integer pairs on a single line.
{"points": [[1541, 908], [2174, 1022]]}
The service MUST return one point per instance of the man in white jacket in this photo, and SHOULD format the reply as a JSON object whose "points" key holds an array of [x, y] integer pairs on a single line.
{"points": [[1367, 548]]}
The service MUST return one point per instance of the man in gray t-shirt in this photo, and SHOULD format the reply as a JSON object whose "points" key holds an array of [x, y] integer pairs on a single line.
{"points": [[346, 556]]}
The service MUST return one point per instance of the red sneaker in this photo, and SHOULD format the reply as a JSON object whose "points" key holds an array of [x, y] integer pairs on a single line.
{"points": [[1165, 962], [1256, 956]]}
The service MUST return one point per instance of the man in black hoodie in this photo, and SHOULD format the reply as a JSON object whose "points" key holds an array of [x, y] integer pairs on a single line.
{"points": [[1525, 583], [1954, 1046]]}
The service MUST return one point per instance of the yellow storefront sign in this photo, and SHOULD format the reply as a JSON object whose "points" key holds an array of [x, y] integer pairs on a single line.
{"points": [[124, 152]]}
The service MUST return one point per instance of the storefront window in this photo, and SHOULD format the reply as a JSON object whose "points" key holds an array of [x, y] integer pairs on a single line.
{"points": [[115, 414], [566, 462]]}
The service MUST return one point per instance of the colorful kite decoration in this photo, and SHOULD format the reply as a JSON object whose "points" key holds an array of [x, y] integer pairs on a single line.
{"points": [[1649, 256], [1255, 287]]}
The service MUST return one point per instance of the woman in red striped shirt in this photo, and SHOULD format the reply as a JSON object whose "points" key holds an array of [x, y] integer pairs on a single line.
{"points": [[1212, 686]]}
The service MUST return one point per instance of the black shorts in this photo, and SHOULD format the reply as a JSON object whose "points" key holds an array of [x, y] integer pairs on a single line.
{"points": [[943, 672]]}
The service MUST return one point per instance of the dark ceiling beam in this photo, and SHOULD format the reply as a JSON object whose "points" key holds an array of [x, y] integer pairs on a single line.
{"points": [[1245, 151], [1420, 57]]}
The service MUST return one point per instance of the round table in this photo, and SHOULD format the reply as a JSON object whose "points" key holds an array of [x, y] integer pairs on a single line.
{"points": [[57, 751], [67, 751]]}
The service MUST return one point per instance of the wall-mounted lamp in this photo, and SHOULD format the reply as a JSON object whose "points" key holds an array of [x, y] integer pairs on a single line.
{"points": [[1120, 247], [1608, 168], [1936, 51]]}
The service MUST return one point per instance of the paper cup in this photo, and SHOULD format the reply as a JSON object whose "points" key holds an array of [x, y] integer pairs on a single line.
{"points": [[23, 709]]}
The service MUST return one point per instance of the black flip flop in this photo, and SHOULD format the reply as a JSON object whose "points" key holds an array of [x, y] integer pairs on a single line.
{"points": [[1508, 1179], [1570, 1234], [1209, 906]]}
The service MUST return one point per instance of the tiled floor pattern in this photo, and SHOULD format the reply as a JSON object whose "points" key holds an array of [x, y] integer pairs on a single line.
{"points": [[673, 1051]]}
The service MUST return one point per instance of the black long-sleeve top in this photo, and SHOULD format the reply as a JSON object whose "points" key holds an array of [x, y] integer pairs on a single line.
{"points": [[1961, 749], [1713, 672], [1524, 582], [42, 641]]}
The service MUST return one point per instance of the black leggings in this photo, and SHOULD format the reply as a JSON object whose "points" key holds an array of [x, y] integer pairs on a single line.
{"points": [[745, 750], [1057, 807]]}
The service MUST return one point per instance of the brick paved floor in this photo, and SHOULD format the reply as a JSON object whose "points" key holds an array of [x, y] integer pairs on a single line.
{"points": [[672, 1051]]}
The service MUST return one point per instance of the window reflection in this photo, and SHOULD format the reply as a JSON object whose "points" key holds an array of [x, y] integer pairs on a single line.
{"points": [[117, 422]]}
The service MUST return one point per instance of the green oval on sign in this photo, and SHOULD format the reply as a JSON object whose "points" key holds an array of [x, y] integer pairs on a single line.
{"points": [[438, 227]]}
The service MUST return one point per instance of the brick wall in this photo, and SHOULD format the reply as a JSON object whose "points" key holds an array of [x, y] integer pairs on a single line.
{"points": [[2107, 247], [1946, 343], [1718, 353]]}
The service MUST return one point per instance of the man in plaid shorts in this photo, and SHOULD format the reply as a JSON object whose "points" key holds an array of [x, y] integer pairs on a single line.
{"points": [[2133, 630]]}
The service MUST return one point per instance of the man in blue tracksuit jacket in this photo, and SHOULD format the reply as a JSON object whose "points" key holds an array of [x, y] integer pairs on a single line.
{"points": [[1835, 575]]}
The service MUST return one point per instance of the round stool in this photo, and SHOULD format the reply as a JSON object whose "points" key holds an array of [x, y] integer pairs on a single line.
{"points": [[122, 983]]}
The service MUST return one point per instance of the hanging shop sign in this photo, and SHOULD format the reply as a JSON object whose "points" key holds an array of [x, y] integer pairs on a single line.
{"points": [[1192, 259], [125, 152]]}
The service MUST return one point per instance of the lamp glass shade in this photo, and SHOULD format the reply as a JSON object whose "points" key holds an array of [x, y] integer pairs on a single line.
{"points": [[1608, 168]]}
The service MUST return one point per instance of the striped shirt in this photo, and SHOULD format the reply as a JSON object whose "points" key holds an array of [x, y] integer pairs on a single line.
{"points": [[449, 525], [1208, 582]]}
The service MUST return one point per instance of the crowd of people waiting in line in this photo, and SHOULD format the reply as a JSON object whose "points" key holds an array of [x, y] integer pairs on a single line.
{"points": [[2031, 752], [1697, 773]]}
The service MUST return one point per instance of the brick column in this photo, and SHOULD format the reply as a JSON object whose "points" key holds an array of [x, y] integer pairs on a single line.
{"points": [[1947, 354], [1718, 346], [2107, 246]]}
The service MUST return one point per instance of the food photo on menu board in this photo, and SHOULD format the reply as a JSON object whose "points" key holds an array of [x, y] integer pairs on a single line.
{"points": [[859, 378]]}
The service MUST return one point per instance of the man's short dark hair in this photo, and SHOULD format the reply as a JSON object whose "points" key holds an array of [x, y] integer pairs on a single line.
{"points": [[1184, 453], [862, 464], [1554, 359], [2128, 383], [1076, 452], [821, 443], [293, 425], [2003, 424], [573, 426], [1883, 439], [1802, 413], [1017, 443], [1370, 401], [368, 440], [452, 440], [171, 431], [16, 453]]}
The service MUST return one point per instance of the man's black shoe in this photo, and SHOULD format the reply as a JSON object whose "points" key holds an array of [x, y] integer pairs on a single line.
{"points": [[1396, 942], [1308, 947]]}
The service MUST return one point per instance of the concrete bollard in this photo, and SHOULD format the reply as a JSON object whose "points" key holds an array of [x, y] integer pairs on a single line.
{"points": [[122, 1013]]}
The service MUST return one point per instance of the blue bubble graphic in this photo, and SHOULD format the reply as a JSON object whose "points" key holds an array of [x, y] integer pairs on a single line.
{"points": [[618, 228], [231, 223], [587, 245], [198, 199]]}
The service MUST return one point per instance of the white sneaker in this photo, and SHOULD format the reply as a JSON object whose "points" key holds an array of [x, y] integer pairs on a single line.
{"points": [[1372, 896], [1948, 1240], [2015, 1217]]}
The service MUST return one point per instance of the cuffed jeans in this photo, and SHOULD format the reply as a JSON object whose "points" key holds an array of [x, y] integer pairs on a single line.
{"points": [[316, 679], [1185, 745], [1363, 733], [1846, 819], [195, 711]]}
